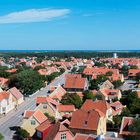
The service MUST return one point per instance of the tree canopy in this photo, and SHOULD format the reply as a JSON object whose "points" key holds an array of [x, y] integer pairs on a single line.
{"points": [[71, 99], [27, 81]]}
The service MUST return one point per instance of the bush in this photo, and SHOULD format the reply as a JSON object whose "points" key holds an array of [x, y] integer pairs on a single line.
{"points": [[1, 137], [22, 133], [51, 118], [117, 83]]}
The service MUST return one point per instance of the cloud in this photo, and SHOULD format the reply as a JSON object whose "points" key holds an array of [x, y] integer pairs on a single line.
{"points": [[33, 15]]}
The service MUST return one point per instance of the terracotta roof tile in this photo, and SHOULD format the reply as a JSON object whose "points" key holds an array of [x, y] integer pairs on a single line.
{"points": [[43, 126], [39, 116], [16, 93], [4, 95], [87, 120], [75, 81], [28, 113], [66, 108], [101, 105], [126, 122]]}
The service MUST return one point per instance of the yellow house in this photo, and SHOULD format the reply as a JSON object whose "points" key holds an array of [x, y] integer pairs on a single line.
{"points": [[88, 122], [47, 105], [31, 120]]}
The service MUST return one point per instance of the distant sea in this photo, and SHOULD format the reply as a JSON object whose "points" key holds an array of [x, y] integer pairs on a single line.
{"points": [[42, 51]]}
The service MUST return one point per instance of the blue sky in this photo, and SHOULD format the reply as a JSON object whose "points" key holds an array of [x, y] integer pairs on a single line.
{"points": [[70, 24]]}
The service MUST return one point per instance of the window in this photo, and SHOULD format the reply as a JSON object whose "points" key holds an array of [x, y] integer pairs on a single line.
{"points": [[32, 122], [4, 109], [44, 106], [63, 136], [39, 134]]}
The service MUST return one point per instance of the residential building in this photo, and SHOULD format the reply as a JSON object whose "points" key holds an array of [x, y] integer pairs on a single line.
{"points": [[100, 105], [88, 122], [17, 95], [6, 102], [109, 94], [74, 82], [32, 119], [53, 131]]}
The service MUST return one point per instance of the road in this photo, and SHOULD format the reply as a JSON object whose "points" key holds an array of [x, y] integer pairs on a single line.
{"points": [[14, 118]]}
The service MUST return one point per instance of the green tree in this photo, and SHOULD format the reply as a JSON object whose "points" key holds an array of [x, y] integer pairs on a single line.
{"points": [[132, 102], [88, 95], [117, 121], [135, 106], [38, 68], [1, 137], [101, 78], [109, 73], [22, 133], [51, 118], [3, 72], [133, 67], [72, 99], [124, 70], [117, 83], [99, 64], [129, 99], [52, 76], [27, 81], [126, 112], [135, 127], [94, 84]]}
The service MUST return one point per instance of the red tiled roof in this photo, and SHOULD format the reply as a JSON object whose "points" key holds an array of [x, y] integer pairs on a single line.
{"points": [[58, 93], [16, 93], [58, 127], [11, 71], [109, 92], [101, 105], [39, 116], [99, 71], [117, 107], [126, 122], [75, 82], [45, 100], [133, 72], [41, 100], [45, 125], [87, 120], [3, 81], [138, 93], [66, 108], [28, 113], [4, 95]]}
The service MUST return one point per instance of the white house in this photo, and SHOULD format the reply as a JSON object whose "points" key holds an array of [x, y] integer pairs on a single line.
{"points": [[6, 102], [17, 95]]}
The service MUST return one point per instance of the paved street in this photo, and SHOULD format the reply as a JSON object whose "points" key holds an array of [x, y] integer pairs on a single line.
{"points": [[14, 117]]}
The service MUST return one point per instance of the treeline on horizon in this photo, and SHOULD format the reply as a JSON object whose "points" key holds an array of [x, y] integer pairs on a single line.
{"points": [[68, 54]]}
